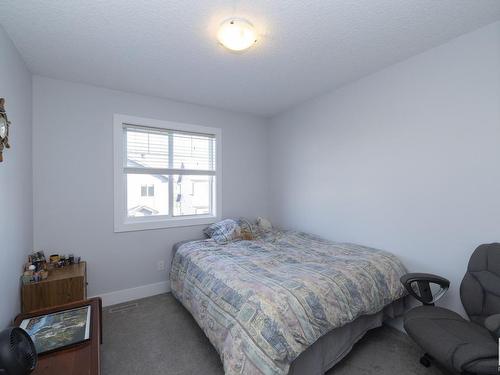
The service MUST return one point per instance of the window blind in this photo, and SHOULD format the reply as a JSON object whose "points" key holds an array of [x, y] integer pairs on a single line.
{"points": [[164, 151]]}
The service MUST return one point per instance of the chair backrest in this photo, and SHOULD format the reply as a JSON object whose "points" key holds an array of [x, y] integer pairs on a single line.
{"points": [[480, 288]]}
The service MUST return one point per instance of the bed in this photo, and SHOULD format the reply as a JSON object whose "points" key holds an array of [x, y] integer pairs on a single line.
{"points": [[286, 302]]}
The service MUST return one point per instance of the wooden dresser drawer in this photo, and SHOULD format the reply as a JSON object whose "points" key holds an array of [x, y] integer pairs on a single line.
{"points": [[64, 285]]}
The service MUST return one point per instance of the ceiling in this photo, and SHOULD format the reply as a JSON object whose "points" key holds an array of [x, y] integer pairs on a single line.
{"points": [[167, 48]]}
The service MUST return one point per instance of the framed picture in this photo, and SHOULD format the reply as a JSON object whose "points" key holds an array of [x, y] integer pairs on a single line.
{"points": [[59, 329]]}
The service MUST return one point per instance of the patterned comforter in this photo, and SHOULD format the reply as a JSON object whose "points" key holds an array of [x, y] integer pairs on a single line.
{"points": [[263, 302]]}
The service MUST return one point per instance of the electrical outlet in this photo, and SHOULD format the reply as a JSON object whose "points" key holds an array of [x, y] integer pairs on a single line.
{"points": [[161, 265]]}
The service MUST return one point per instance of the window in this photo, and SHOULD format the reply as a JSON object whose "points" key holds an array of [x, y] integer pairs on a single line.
{"points": [[147, 190], [166, 174]]}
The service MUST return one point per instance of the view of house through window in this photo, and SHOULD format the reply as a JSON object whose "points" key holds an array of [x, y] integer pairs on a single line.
{"points": [[168, 172]]}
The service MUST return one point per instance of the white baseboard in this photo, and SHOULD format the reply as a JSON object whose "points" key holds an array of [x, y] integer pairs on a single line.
{"points": [[125, 295]]}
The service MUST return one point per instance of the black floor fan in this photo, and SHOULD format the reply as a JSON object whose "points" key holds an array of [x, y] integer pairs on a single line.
{"points": [[17, 352]]}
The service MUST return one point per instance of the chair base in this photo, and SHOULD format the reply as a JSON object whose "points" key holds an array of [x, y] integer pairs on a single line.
{"points": [[426, 360]]}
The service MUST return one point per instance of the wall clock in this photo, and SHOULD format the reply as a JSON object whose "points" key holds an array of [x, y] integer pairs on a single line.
{"points": [[4, 128]]}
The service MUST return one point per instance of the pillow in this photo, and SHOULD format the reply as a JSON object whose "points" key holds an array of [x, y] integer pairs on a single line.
{"points": [[264, 225], [223, 231]]}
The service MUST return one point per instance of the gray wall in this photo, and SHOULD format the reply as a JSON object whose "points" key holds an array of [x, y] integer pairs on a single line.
{"points": [[73, 178], [406, 159], [16, 198]]}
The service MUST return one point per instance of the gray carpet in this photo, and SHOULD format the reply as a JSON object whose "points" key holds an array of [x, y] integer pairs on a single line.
{"points": [[158, 336]]}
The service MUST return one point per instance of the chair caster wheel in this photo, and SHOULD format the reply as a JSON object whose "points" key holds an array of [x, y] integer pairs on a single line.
{"points": [[425, 361]]}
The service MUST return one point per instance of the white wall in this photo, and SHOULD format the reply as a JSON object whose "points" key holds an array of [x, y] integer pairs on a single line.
{"points": [[16, 199], [73, 178], [407, 159]]}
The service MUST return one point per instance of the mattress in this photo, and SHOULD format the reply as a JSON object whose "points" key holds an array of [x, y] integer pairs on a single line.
{"points": [[265, 303]]}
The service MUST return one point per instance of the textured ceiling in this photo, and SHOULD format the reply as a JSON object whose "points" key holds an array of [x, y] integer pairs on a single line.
{"points": [[167, 48]]}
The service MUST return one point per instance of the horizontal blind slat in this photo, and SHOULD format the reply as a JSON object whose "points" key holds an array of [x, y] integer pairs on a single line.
{"points": [[168, 171], [149, 148], [149, 129]]}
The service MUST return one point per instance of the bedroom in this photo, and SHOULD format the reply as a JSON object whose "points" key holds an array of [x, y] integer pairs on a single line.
{"points": [[370, 122]]}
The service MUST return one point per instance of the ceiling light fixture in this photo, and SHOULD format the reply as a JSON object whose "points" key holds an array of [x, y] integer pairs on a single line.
{"points": [[237, 34]]}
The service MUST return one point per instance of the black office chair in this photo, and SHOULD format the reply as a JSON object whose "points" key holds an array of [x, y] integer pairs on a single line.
{"points": [[467, 347]]}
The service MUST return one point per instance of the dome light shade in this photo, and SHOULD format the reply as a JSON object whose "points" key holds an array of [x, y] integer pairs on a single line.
{"points": [[237, 34]]}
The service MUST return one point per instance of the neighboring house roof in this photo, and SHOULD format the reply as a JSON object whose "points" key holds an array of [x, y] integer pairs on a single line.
{"points": [[133, 163], [145, 210]]}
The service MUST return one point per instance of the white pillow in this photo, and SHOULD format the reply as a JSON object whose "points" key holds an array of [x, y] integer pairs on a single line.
{"points": [[264, 224]]}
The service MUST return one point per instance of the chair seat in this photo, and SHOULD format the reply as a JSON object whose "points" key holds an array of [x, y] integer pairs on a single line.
{"points": [[455, 342]]}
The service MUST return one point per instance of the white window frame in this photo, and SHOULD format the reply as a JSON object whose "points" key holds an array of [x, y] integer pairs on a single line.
{"points": [[123, 223]]}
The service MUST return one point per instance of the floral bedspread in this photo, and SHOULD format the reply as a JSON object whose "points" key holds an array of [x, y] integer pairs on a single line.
{"points": [[263, 302]]}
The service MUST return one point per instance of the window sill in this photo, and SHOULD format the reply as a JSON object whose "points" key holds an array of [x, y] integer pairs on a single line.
{"points": [[141, 224]]}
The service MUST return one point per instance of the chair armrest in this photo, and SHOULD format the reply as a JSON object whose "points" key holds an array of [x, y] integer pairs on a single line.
{"points": [[418, 285], [493, 324]]}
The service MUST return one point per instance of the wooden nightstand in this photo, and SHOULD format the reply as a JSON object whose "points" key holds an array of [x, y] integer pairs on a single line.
{"points": [[64, 285]]}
